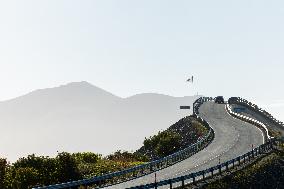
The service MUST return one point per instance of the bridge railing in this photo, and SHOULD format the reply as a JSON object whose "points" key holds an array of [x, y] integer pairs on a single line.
{"points": [[241, 101], [255, 122], [147, 168], [218, 169], [199, 102]]}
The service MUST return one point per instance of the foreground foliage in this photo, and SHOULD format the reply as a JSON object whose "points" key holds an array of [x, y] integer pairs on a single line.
{"points": [[34, 170]]}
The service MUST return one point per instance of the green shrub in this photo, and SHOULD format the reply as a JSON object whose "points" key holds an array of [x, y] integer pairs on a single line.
{"points": [[86, 157], [126, 156], [163, 144], [67, 169], [3, 167]]}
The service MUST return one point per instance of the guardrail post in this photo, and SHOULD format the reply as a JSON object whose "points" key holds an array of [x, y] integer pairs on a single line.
{"points": [[227, 166], [193, 178], [233, 163], [263, 148], [219, 167], [134, 174], [256, 151], [203, 175], [171, 184], [249, 154], [239, 160], [244, 156], [211, 172], [182, 182], [100, 183]]}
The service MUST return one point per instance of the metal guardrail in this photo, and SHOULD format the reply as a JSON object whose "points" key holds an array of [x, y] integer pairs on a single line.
{"points": [[201, 175], [199, 102], [147, 168], [241, 101], [255, 122]]}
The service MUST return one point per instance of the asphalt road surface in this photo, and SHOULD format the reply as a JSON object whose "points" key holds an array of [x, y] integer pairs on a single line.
{"points": [[233, 137]]}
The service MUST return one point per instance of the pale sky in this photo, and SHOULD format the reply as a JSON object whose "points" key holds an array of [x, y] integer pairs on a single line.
{"points": [[233, 48]]}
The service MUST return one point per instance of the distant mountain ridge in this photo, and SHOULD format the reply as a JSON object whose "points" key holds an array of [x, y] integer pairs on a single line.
{"points": [[82, 117]]}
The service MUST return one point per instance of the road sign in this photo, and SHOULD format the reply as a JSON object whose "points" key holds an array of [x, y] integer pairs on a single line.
{"points": [[184, 107]]}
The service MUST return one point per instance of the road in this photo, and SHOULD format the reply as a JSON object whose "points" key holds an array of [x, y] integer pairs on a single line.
{"points": [[233, 137]]}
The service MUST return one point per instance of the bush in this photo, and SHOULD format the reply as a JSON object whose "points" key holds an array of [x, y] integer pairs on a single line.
{"points": [[26, 177], [46, 168], [86, 157], [33, 170], [3, 167], [126, 156], [180, 135], [163, 144], [67, 167]]}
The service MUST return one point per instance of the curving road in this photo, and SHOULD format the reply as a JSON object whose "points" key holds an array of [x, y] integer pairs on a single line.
{"points": [[233, 137]]}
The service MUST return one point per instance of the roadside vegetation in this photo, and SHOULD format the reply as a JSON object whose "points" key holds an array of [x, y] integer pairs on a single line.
{"points": [[177, 137], [38, 170], [31, 171], [274, 133]]}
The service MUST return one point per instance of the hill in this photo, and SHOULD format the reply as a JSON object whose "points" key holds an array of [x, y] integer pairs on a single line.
{"points": [[80, 117]]}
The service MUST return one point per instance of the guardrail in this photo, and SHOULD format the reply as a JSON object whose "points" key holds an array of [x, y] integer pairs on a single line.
{"points": [[241, 101], [147, 168], [250, 120], [218, 169], [199, 102]]}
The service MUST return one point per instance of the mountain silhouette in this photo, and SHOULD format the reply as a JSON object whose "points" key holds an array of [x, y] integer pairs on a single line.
{"points": [[82, 117]]}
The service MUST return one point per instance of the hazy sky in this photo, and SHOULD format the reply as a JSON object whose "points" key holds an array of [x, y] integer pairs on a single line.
{"points": [[233, 48]]}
